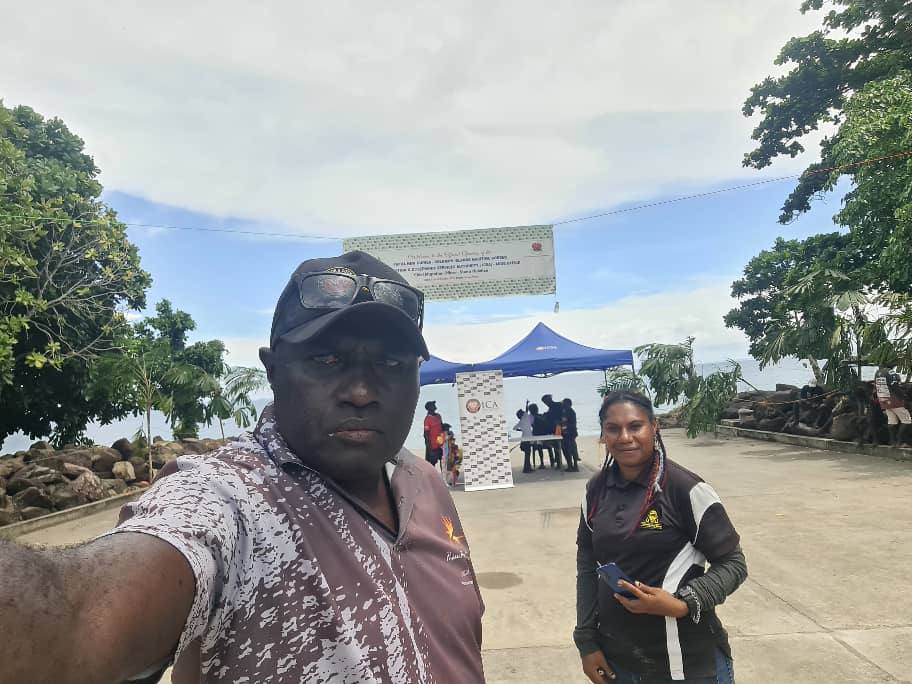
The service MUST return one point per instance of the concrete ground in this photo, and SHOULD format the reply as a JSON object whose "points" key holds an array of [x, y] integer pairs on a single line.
{"points": [[827, 540]]}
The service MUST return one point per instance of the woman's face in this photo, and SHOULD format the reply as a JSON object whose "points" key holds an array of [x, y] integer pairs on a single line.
{"points": [[629, 435]]}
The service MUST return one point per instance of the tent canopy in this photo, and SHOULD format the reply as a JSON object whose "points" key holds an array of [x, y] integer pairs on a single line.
{"points": [[543, 352], [436, 371]]}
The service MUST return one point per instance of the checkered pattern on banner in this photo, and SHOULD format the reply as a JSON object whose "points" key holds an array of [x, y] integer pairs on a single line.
{"points": [[485, 451]]}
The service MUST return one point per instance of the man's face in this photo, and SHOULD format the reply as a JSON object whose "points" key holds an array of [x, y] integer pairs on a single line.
{"points": [[344, 402]]}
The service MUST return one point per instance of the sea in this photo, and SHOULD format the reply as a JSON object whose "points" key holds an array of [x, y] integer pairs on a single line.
{"points": [[581, 387]]}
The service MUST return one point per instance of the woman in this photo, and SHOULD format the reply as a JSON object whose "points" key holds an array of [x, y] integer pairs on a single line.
{"points": [[659, 523]]}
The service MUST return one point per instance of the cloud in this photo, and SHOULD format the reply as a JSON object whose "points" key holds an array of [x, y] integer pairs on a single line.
{"points": [[667, 317], [376, 118]]}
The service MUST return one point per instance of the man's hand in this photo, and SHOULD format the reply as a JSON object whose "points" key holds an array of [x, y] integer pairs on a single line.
{"points": [[651, 601], [596, 668]]}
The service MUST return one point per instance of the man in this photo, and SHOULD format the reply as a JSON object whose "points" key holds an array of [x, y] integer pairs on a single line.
{"points": [[887, 393], [553, 417], [314, 549], [433, 434], [569, 434], [806, 396]]}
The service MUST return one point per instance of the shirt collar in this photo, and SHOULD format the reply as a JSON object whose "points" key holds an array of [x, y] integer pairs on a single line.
{"points": [[615, 479], [267, 434]]}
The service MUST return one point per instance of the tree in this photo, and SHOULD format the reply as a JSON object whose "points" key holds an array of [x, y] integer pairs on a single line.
{"points": [[781, 319], [862, 42], [232, 398], [198, 366], [671, 373], [622, 379], [155, 369], [878, 208], [831, 296], [67, 272]]}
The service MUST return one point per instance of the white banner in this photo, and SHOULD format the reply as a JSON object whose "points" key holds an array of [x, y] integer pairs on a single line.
{"points": [[485, 451], [492, 262]]}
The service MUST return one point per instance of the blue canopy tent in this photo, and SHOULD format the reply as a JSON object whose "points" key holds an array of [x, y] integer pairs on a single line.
{"points": [[436, 371], [543, 353]]}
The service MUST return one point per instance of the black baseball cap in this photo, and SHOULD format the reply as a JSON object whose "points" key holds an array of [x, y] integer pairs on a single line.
{"points": [[292, 322]]}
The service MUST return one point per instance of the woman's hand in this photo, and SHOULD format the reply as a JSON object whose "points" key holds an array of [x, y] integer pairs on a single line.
{"points": [[651, 601], [596, 668]]}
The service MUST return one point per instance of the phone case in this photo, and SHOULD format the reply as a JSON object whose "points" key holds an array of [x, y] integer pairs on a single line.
{"points": [[611, 573]]}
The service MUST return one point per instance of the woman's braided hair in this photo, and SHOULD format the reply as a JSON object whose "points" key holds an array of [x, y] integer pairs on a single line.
{"points": [[657, 477]]}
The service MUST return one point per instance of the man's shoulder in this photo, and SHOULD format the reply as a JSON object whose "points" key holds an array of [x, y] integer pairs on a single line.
{"points": [[239, 455]]}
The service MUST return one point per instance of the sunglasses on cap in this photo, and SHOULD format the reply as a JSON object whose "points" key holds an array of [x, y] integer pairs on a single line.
{"points": [[334, 290]]}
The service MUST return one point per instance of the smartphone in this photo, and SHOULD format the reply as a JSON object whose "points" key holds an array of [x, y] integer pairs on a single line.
{"points": [[611, 573]]}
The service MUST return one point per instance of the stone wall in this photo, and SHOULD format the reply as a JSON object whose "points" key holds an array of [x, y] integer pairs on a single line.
{"points": [[42, 480], [835, 415]]}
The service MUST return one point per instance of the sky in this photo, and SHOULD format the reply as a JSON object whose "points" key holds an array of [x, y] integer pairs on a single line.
{"points": [[342, 119]]}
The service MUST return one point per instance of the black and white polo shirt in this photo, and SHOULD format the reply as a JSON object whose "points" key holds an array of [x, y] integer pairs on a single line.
{"points": [[668, 547]]}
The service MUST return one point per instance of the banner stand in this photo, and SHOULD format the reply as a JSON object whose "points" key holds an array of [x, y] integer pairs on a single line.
{"points": [[483, 428]]}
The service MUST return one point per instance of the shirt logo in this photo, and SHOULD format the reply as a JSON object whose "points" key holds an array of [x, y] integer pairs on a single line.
{"points": [[651, 521], [451, 530]]}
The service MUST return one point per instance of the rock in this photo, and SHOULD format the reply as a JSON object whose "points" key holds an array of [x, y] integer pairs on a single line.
{"points": [[64, 496], [80, 457], [103, 459], [785, 395], [772, 424], [165, 452], [73, 471], [124, 446], [157, 438], [30, 512], [44, 446], [33, 476], [844, 427], [673, 419], [780, 387], [141, 470], [114, 486], [39, 455], [123, 470], [89, 485], [211, 444], [8, 511], [33, 496], [193, 446], [9, 467]]}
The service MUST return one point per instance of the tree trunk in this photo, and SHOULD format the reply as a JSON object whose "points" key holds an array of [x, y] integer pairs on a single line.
{"points": [[149, 441], [222, 428], [815, 368]]}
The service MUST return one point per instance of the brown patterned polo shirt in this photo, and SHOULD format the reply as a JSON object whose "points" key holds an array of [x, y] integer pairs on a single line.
{"points": [[296, 583]]}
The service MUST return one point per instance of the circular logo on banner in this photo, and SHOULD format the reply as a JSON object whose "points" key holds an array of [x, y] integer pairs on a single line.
{"points": [[473, 406]]}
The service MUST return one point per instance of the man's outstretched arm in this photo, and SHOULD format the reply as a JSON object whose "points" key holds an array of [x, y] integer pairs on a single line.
{"points": [[100, 612]]}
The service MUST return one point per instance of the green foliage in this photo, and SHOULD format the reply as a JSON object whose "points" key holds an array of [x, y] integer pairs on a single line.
{"points": [[670, 370], [710, 397], [158, 370], [232, 398], [67, 270], [839, 296], [620, 379], [861, 42], [878, 208]]}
